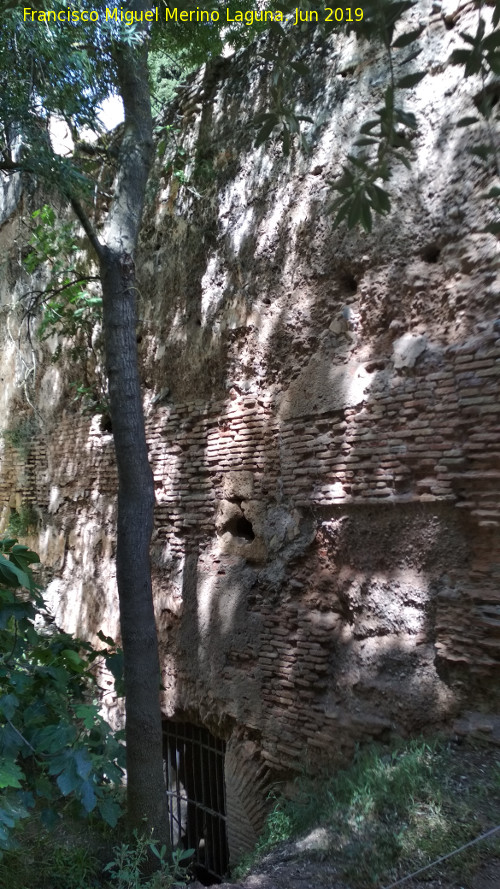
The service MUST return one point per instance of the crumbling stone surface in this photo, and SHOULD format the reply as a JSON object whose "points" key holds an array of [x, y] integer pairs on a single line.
{"points": [[322, 418]]}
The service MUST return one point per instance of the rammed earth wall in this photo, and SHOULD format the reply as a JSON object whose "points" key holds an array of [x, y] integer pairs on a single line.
{"points": [[323, 418]]}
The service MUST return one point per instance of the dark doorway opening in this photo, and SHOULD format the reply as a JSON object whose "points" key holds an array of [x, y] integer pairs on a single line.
{"points": [[194, 771]]}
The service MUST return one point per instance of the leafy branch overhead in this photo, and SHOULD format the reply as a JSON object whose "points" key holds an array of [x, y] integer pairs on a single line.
{"points": [[387, 139], [482, 57], [70, 300]]}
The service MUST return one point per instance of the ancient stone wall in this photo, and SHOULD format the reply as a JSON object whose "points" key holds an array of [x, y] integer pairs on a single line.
{"points": [[322, 417]]}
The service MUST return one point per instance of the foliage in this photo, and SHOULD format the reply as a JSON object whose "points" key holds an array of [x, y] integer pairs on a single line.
{"points": [[126, 869], [167, 72], [63, 71], [387, 138], [72, 304], [22, 520], [393, 810], [284, 56], [70, 309], [21, 435], [53, 741], [192, 45], [73, 857], [46, 859], [482, 57]]}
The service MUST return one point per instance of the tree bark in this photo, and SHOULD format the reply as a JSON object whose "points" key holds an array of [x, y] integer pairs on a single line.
{"points": [[146, 793]]}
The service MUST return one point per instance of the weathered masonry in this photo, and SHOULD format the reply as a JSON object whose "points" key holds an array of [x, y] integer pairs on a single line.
{"points": [[322, 414]]}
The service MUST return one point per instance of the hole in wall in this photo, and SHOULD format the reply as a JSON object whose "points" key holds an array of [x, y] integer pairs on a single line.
{"points": [[239, 526], [430, 253], [350, 283], [106, 424], [194, 775]]}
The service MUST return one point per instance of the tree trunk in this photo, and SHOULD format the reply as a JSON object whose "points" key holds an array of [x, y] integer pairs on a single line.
{"points": [[146, 793]]}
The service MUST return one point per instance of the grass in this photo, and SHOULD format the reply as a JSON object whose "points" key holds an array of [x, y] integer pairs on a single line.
{"points": [[395, 810], [87, 855], [69, 856]]}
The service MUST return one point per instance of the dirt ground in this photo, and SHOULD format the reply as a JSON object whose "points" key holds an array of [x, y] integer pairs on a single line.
{"points": [[290, 868], [309, 863]]}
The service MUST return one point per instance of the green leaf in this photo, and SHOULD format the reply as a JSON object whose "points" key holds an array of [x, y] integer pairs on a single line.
{"points": [[88, 797], [494, 62], [407, 118], [366, 140], [266, 131], [402, 159], [114, 663], [109, 810], [87, 713], [10, 742], [341, 215], [285, 140], [8, 705], [467, 37], [13, 576], [494, 228], [106, 639], [369, 125], [7, 543], [68, 781], [410, 80], [380, 199], [73, 660], [82, 762], [365, 216], [184, 854], [52, 739], [300, 67], [354, 214], [11, 774]]}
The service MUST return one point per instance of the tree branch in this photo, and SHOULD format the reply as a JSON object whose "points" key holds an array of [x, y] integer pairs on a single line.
{"points": [[9, 166], [87, 226], [37, 296]]}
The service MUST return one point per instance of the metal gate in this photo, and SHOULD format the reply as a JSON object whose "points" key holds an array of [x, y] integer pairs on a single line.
{"points": [[194, 772]]}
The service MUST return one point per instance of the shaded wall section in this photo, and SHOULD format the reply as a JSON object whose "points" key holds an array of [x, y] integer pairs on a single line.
{"points": [[322, 418]]}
